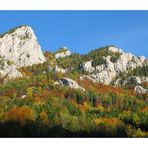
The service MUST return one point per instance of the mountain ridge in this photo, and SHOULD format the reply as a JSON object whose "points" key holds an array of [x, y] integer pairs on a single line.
{"points": [[100, 94], [19, 48]]}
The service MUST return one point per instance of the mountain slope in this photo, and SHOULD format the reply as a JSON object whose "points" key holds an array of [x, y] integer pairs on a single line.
{"points": [[63, 94]]}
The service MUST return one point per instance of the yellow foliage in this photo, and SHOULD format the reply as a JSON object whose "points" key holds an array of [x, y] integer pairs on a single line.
{"points": [[29, 92], [100, 108], [44, 118], [109, 121], [84, 106]]}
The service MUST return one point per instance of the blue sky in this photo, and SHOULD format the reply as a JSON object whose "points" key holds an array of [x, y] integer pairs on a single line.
{"points": [[82, 31]]}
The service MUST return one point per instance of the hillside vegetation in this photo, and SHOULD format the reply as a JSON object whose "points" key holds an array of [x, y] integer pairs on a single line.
{"points": [[35, 107]]}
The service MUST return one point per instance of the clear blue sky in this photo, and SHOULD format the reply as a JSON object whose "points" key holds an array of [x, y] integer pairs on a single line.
{"points": [[82, 31]]}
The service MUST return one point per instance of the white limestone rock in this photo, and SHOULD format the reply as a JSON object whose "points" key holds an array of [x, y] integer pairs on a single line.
{"points": [[115, 49], [50, 68], [18, 47], [101, 67], [87, 66], [70, 83], [144, 79], [65, 53], [61, 70], [106, 73], [140, 90], [142, 59], [9, 72], [133, 80], [21, 47], [57, 69]]}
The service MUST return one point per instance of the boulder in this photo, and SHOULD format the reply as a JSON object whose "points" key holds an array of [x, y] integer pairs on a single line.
{"points": [[70, 83], [65, 53], [133, 80], [140, 90], [61, 70], [9, 72], [142, 59], [50, 68]]}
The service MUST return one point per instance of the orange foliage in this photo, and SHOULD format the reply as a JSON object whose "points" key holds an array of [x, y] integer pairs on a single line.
{"points": [[84, 106], [145, 84], [20, 114], [44, 118], [100, 88], [25, 72], [108, 121], [145, 109]]}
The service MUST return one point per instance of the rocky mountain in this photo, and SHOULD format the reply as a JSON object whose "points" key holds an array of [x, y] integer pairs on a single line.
{"points": [[107, 65], [106, 72], [103, 93], [19, 47]]}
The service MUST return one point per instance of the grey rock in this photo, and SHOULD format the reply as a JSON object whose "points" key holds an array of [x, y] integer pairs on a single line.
{"points": [[140, 90], [87, 66], [108, 72], [18, 48], [9, 72], [70, 83], [115, 49], [21, 47], [63, 54], [61, 70]]}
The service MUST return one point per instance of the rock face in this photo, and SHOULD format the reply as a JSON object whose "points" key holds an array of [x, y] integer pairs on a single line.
{"points": [[70, 83], [106, 73], [87, 66], [18, 47], [131, 80], [9, 72], [65, 53], [115, 49], [21, 47], [140, 90]]}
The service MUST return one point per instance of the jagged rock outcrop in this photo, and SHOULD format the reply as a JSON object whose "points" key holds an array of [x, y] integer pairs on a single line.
{"points": [[106, 73], [115, 49], [142, 59], [63, 53], [70, 83], [87, 66], [140, 90], [20, 48], [9, 72], [131, 81]]}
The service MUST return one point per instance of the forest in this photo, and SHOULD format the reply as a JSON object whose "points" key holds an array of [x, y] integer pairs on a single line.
{"points": [[34, 106]]}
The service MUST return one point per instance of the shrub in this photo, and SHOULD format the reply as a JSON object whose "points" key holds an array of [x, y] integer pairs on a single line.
{"points": [[20, 114]]}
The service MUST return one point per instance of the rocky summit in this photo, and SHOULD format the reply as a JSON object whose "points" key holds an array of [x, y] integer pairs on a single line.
{"points": [[18, 48], [106, 72]]}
